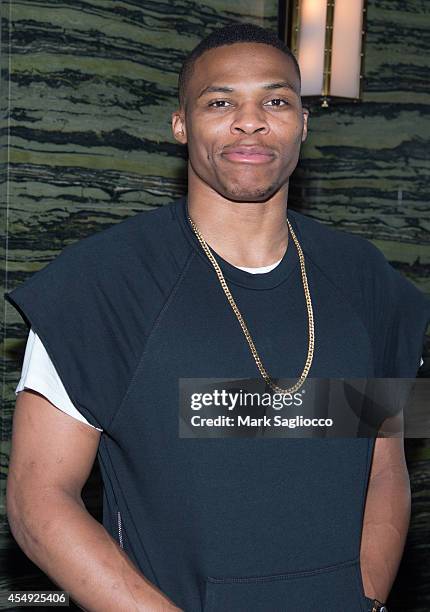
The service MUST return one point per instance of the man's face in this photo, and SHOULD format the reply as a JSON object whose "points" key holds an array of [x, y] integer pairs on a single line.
{"points": [[243, 137]]}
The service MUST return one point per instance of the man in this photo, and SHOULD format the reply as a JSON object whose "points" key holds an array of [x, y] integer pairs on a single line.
{"points": [[224, 524]]}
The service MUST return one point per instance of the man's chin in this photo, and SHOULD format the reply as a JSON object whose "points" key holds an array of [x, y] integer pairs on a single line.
{"points": [[249, 194]]}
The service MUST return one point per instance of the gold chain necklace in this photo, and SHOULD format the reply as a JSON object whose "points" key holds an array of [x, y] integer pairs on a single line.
{"points": [[248, 337]]}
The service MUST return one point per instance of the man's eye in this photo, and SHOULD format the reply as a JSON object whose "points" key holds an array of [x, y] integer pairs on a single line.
{"points": [[217, 102], [278, 100]]}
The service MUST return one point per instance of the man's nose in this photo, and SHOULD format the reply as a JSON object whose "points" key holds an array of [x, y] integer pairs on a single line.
{"points": [[249, 118]]}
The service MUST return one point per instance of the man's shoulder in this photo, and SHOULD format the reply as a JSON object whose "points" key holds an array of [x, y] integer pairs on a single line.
{"points": [[142, 236], [139, 249], [333, 249]]}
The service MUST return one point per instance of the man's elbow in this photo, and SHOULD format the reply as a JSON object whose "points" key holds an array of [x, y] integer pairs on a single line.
{"points": [[22, 517], [394, 475], [393, 486]]}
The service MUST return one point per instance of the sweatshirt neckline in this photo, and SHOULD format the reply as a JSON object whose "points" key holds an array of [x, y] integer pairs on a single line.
{"points": [[265, 280]]}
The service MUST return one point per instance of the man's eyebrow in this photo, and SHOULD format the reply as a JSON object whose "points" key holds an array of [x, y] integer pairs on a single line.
{"points": [[281, 85], [215, 88], [225, 89]]}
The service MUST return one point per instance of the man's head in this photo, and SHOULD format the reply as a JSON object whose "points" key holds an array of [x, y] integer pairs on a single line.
{"points": [[240, 112]]}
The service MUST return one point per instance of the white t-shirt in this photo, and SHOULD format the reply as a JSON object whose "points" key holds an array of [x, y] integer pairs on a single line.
{"points": [[38, 371]]}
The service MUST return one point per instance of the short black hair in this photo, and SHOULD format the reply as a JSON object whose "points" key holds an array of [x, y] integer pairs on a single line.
{"points": [[228, 35]]}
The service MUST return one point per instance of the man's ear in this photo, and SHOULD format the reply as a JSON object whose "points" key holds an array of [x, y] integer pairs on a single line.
{"points": [[305, 123], [178, 127]]}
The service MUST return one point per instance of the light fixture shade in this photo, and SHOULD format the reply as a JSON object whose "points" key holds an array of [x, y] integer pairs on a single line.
{"points": [[327, 38], [346, 48]]}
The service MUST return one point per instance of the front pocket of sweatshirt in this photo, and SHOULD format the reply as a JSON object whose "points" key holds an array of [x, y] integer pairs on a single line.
{"points": [[329, 589]]}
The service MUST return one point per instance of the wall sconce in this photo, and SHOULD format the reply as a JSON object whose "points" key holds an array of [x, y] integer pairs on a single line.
{"points": [[327, 38]]}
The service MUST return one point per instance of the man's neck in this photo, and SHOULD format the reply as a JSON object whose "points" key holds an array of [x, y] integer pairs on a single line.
{"points": [[248, 234]]}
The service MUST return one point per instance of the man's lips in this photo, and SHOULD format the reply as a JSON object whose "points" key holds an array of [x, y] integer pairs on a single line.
{"points": [[250, 155]]}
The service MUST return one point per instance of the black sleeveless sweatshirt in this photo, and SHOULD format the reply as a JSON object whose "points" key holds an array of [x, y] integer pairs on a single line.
{"points": [[224, 524]]}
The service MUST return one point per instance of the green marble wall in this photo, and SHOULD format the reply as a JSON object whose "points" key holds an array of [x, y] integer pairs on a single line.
{"points": [[86, 96], [365, 167]]}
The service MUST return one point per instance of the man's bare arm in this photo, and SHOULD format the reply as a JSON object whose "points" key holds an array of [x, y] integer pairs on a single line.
{"points": [[51, 459], [386, 517]]}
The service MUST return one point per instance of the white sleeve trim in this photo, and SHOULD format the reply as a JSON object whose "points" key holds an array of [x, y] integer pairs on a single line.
{"points": [[39, 373]]}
